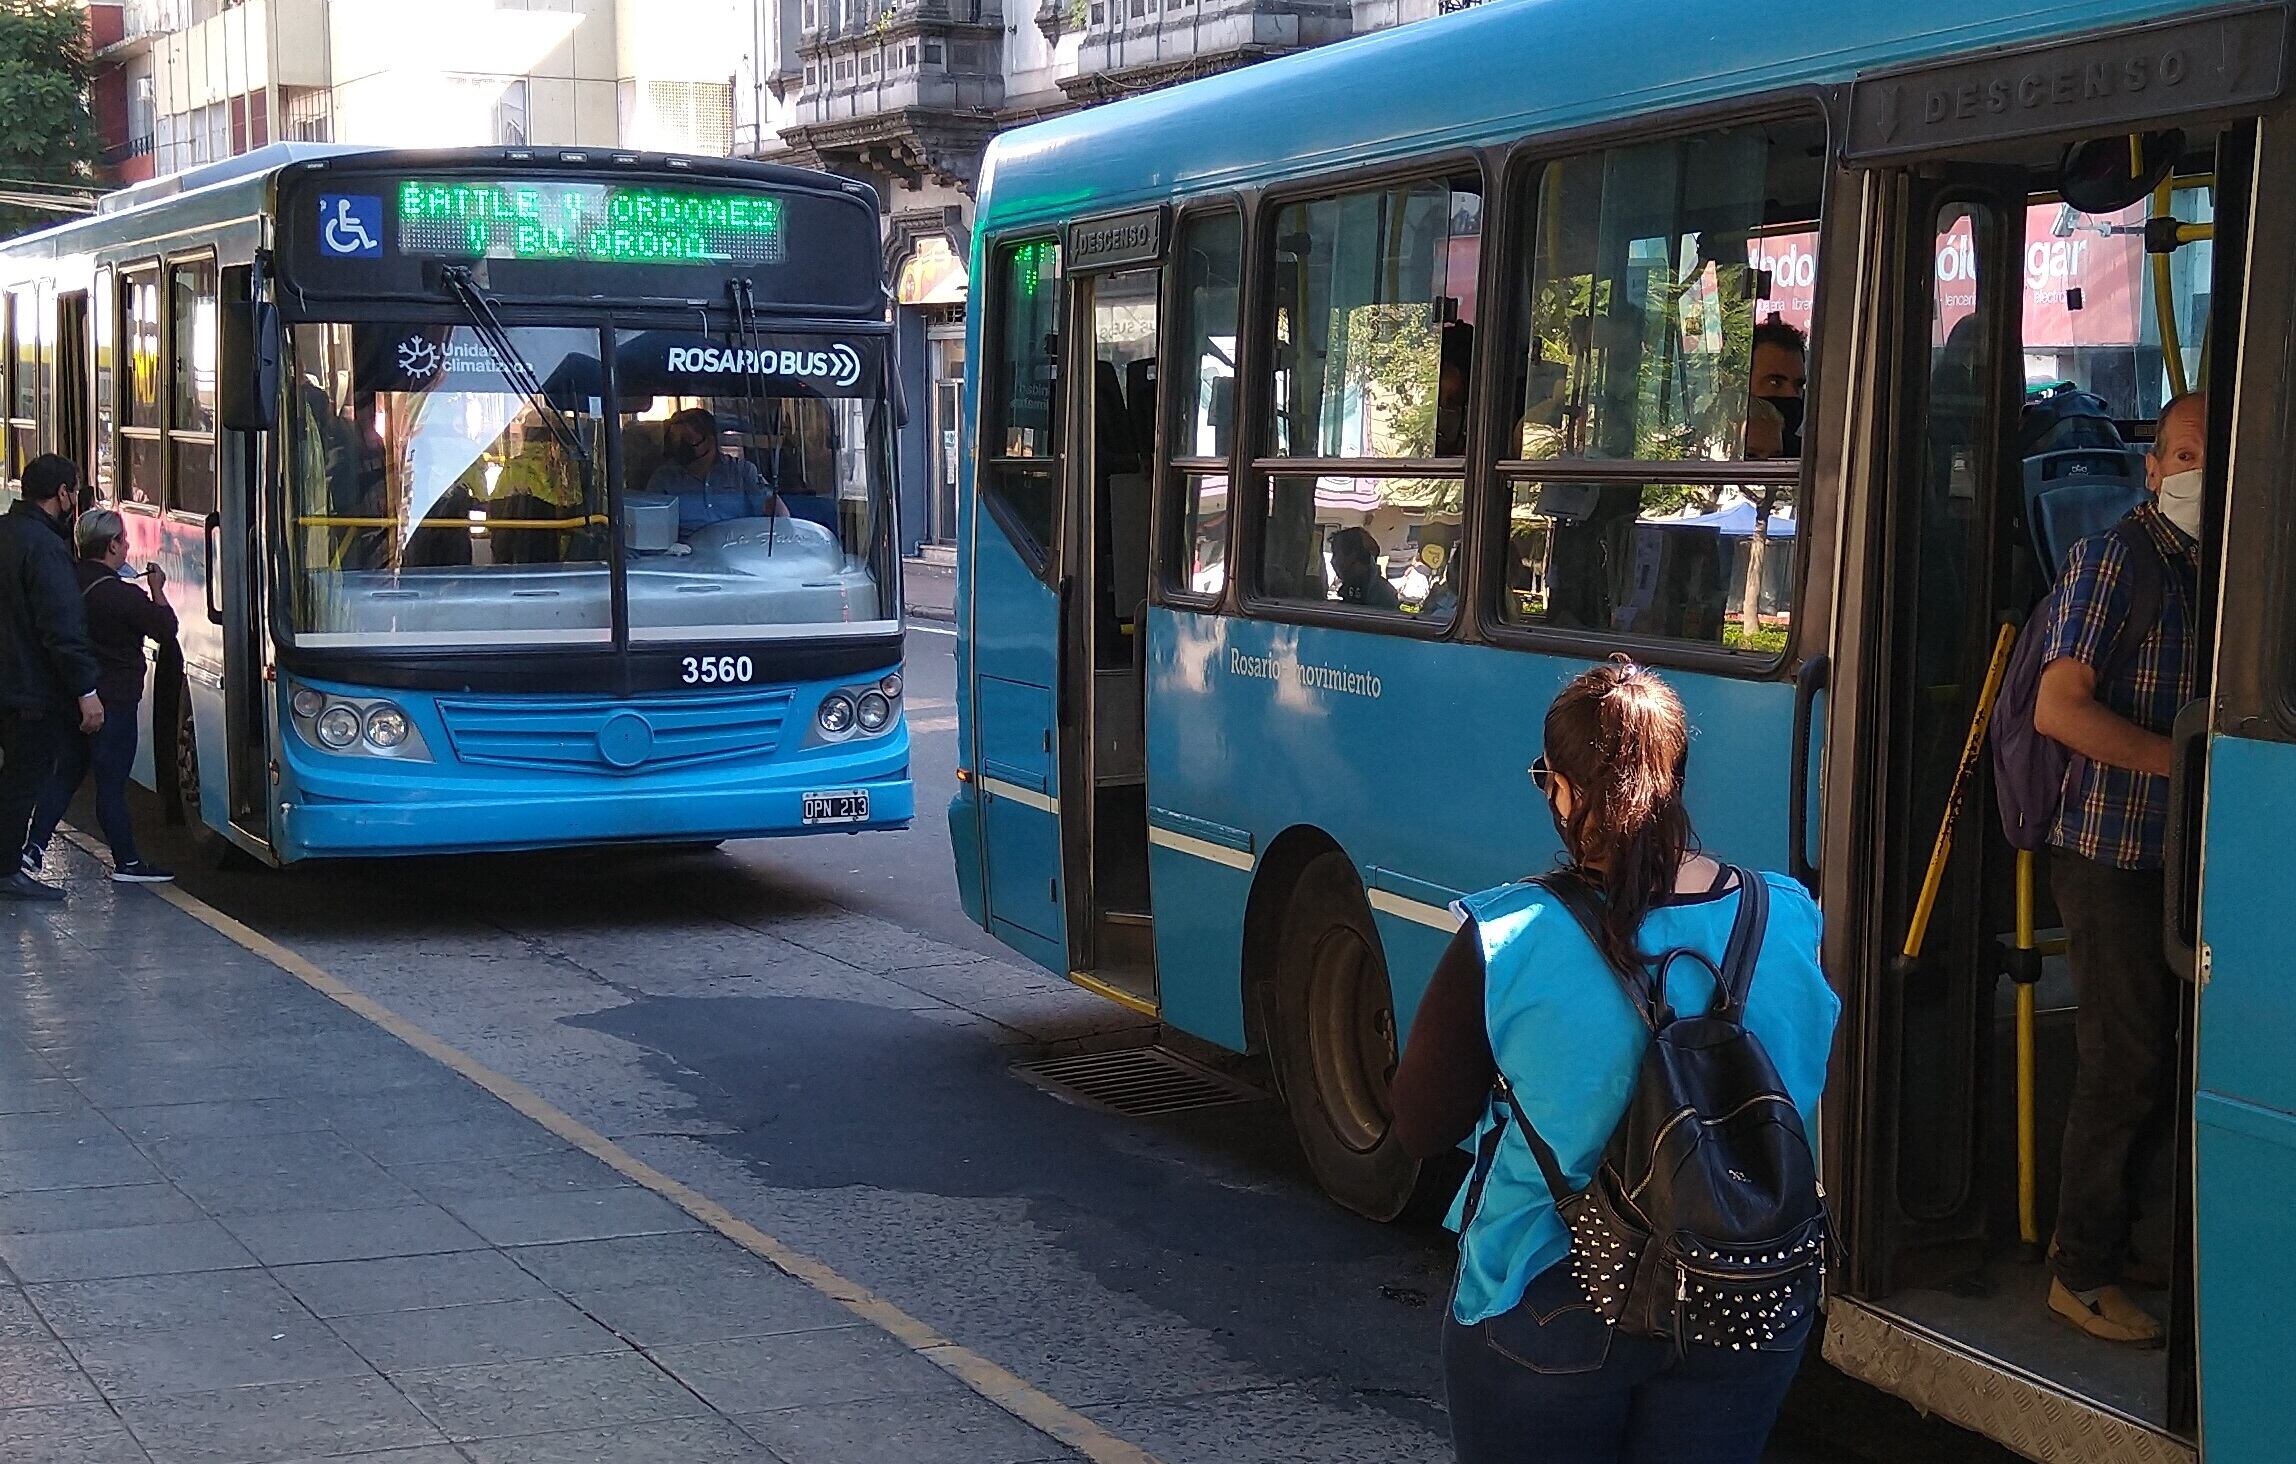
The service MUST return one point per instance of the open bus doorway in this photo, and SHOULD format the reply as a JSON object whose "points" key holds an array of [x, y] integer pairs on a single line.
{"points": [[2039, 340], [1103, 727]]}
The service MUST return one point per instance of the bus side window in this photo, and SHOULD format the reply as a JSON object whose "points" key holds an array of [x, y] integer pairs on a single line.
{"points": [[1661, 320], [1021, 396], [141, 448], [1373, 320], [1202, 400], [192, 328]]}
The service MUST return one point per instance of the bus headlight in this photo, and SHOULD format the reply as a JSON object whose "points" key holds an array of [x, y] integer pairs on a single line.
{"points": [[387, 728], [338, 726], [873, 711], [309, 704], [836, 715], [891, 685]]}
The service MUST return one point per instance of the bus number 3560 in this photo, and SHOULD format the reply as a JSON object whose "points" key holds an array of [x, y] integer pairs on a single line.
{"points": [[721, 670]]}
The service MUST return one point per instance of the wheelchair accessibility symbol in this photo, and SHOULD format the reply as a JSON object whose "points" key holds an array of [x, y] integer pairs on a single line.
{"points": [[351, 225]]}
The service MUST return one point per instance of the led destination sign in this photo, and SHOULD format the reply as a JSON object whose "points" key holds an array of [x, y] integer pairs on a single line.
{"points": [[543, 219]]}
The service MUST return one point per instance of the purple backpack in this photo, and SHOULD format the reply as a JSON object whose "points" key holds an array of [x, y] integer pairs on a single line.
{"points": [[2029, 769]]}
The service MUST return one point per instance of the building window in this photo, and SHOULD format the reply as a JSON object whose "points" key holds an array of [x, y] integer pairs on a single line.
{"points": [[1099, 14], [1373, 319], [932, 53], [510, 115], [809, 73], [912, 54], [868, 67], [812, 19]]}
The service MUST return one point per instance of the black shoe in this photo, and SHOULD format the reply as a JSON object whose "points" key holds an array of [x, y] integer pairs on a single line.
{"points": [[34, 857], [140, 872], [21, 886]]}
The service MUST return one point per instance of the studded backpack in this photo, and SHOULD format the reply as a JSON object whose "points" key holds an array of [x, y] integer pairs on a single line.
{"points": [[1705, 1222]]}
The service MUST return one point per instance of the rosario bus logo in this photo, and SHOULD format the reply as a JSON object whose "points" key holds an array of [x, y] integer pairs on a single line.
{"points": [[839, 364]]}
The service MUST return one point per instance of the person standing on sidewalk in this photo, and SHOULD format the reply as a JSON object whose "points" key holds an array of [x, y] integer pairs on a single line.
{"points": [[2105, 870], [46, 662], [121, 617]]}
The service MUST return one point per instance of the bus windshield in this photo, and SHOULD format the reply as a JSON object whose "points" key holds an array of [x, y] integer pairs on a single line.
{"points": [[755, 485], [433, 502]]}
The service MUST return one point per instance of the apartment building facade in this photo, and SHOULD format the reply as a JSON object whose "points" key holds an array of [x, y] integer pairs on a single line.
{"points": [[182, 82]]}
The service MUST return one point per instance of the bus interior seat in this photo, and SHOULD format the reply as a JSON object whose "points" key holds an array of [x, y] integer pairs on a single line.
{"points": [[641, 453], [2076, 492], [1140, 401]]}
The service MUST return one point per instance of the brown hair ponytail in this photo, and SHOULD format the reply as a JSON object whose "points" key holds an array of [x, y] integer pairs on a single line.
{"points": [[1619, 735]]}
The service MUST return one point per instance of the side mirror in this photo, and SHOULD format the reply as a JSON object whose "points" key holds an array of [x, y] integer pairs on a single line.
{"points": [[248, 388]]}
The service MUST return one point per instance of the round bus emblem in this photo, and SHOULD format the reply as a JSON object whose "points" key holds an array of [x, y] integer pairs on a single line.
{"points": [[626, 740]]}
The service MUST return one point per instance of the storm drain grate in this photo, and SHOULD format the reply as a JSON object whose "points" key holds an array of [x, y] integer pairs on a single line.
{"points": [[1139, 1081]]}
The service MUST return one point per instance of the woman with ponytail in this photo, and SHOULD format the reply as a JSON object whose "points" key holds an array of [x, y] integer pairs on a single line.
{"points": [[1526, 992]]}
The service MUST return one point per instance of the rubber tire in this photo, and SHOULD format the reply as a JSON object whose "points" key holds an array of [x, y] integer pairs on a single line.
{"points": [[1376, 1179], [213, 849]]}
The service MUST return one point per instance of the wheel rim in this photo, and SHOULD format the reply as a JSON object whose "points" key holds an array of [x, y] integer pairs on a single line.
{"points": [[1351, 1038]]}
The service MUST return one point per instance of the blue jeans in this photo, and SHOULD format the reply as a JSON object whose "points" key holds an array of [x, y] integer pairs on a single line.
{"points": [[1551, 1383], [111, 753]]}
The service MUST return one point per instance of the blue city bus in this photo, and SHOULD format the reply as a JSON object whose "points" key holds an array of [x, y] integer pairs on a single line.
{"points": [[1332, 412], [508, 498]]}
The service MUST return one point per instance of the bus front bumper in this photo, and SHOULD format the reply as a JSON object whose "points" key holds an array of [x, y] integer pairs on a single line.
{"points": [[322, 829]]}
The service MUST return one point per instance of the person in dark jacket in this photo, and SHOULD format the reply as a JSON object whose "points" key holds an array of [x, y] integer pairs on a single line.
{"points": [[121, 617], [46, 663]]}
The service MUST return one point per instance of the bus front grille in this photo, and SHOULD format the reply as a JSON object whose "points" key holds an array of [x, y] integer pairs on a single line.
{"points": [[615, 738]]}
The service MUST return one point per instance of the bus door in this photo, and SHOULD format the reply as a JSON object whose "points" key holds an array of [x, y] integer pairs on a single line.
{"points": [[1116, 277], [1015, 599], [2233, 787], [2033, 305]]}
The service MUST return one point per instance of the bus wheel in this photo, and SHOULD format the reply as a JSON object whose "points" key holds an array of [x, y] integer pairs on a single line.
{"points": [[1334, 1042], [187, 765]]}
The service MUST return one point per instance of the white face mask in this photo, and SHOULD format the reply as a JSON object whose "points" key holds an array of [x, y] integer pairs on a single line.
{"points": [[2180, 501]]}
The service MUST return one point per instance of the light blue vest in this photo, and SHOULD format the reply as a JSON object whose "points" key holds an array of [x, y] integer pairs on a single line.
{"points": [[1569, 1043]]}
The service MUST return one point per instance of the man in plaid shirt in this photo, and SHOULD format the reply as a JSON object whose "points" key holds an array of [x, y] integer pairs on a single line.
{"points": [[2105, 869]]}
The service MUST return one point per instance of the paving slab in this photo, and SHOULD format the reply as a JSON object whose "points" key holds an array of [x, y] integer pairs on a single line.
{"points": [[493, 1331], [407, 1283], [259, 1425], [507, 1399], [144, 1362], [135, 1250], [250, 1298]]}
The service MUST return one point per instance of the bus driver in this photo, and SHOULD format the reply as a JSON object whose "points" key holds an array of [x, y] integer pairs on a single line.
{"points": [[709, 486]]}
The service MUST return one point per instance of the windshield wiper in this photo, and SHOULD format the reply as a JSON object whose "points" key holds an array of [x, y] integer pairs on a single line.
{"points": [[512, 362]]}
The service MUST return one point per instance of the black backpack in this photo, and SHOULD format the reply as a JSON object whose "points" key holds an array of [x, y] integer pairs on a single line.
{"points": [[1705, 1223]]}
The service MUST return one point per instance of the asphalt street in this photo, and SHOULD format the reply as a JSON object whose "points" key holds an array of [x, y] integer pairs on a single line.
{"points": [[809, 1033]]}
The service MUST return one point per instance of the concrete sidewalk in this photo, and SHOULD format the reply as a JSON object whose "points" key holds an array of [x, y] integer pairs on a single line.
{"points": [[240, 1224]]}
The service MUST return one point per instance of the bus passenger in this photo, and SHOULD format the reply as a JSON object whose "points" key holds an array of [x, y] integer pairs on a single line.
{"points": [[46, 662], [1530, 1368], [2105, 870], [709, 486], [1355, 570], [1780, 372], [121, 616]]}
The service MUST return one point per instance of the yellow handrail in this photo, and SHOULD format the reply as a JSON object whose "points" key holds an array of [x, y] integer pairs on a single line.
{"points": [[1934, 878]]}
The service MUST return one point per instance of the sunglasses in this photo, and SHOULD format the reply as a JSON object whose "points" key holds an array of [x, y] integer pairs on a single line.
{"points": [[1541, 774]]}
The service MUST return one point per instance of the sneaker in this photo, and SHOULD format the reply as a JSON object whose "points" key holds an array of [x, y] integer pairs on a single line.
{"points": [[2106, 1314], [21, 886], [141, 872]]}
